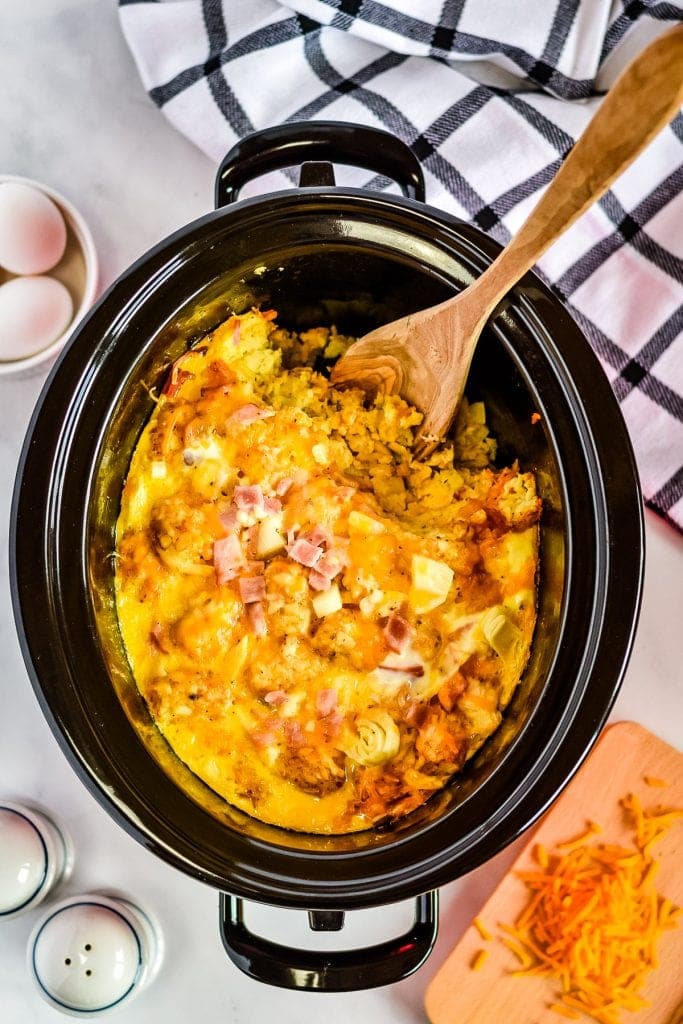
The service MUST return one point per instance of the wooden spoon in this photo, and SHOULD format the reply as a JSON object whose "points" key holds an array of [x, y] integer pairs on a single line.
{"points": [[426, 356]]}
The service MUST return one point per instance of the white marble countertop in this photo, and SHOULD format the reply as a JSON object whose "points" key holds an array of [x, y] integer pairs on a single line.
{"points": [[74, 115]]}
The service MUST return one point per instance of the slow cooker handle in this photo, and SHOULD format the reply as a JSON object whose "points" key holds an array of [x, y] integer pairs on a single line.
{"points": [[331, 970], [288, 145]]}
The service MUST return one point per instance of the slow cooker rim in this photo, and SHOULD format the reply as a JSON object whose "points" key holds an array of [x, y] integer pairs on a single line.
{"points": [[171, 243]]}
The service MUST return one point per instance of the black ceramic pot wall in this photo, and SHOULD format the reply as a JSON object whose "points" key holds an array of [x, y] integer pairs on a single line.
{"points": [[355, 258]]}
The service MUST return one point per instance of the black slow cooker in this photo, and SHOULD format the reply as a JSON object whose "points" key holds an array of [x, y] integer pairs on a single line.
{"points": [[357, 258]]}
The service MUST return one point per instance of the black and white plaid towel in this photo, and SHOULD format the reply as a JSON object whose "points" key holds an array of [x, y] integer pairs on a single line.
{"points": [[485, 92]]}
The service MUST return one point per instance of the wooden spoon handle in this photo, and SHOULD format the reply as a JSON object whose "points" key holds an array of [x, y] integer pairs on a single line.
{"points": [[644, 98]]}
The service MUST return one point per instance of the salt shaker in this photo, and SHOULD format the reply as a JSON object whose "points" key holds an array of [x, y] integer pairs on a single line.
{"points": [[35, 857], [93, 953]]}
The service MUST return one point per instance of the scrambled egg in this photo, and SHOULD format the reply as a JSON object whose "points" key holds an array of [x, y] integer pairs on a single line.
{"points": [[324, 628]]}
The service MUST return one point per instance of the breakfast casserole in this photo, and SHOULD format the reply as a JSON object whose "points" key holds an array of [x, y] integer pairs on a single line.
{"points": [[323, 626]]}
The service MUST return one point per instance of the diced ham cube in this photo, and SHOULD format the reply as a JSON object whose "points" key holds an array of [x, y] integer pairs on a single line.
{"points": [[248, 499], [397, 633], [177, 376], [175, 382], [228, 558], [417, 713], [283, 486], [319, 535], [303, 552], [329, 565], [326, 702], [229, 520], [249, 413], [257, 619], [272, 505], [159, 637], [276, 698], [252, 589], [317, 581], [264, 737], [331, 725], [236, 331], [294, 733]]}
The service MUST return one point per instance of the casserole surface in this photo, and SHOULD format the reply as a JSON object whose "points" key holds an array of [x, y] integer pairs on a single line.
{"points": [[323, 628]]}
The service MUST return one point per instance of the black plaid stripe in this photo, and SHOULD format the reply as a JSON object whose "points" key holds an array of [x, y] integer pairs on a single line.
{"points": [[425, 145], [447, 123], [565, 14], [660, 393], [488, 216], [436, 145], [670, 493], [655, 389], [604, 347], [628, 225], [443, 36], [262, 39], [558, 138], [224, 97], [491, 215], [676, 126], [536, 70], [635, 370], [667, 496], [388, 18], [629, 229], [337, 84], [544, 70], [387, 112], [633, 10]]}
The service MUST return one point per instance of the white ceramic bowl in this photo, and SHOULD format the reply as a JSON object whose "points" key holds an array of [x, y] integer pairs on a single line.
{"points": [[77, 270]]}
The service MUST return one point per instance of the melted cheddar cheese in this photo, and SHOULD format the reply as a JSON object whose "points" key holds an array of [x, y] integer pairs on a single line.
{"points": [[323, 627]]}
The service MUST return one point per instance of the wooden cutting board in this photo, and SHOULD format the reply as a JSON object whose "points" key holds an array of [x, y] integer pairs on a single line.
{"points": [[623, 756]]}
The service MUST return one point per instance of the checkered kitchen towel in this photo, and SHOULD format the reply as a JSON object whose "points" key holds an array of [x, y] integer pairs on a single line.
{"points": [[490, 95]]}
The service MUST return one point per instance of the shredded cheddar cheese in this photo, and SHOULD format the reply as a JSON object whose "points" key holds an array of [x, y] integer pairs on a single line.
{"points": [[482, 929], [479, 959], [565, 1011], [650, 780], [594, 918], [569, 844], [541, 855]]}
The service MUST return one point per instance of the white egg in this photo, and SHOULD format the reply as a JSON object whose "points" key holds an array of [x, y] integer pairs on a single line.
{"points": [[32, 230], [34, 312]]}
